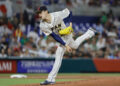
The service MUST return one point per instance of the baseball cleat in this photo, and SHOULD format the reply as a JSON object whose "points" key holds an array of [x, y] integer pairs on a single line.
{"points": [[93, 29], [47, 83]]}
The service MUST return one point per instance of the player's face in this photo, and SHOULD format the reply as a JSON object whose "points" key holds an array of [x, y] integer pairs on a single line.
{"points": [[43, 15]]}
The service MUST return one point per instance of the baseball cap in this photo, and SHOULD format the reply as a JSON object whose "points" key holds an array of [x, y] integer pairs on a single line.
{"points": [[40, 9]]}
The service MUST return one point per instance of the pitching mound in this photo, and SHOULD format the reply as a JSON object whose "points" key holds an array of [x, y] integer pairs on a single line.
{"points": [[79, 80]]}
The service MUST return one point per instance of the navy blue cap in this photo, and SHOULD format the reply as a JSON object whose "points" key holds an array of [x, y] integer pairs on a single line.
{"points": [[41, 8]]}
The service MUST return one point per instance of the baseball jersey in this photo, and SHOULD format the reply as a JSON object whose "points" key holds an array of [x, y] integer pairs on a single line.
{"points": [[56, 24]]}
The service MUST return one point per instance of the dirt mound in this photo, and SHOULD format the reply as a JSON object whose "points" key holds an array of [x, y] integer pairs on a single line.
{"points": [[87, 81]]}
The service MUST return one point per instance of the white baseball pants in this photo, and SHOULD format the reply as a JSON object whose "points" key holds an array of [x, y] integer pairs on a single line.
{"points": [[61, 50]]}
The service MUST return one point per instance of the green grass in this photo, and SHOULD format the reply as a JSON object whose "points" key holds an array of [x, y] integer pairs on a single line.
{"points": [[8, 81]]}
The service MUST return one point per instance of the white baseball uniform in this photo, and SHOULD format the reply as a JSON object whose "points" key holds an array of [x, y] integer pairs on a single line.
{"points": [[56, 24]]}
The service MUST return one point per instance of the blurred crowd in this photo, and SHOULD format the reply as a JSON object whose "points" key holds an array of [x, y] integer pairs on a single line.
{"points": [[82, 2], [93, 2], [21, 36], [76, 4]]}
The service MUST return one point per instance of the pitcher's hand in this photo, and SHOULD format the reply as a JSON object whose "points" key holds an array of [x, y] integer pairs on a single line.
{"points": [[70, 24], [68, 48]]}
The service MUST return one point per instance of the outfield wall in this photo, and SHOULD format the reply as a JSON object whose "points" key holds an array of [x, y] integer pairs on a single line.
{"points": [[36, 65]]}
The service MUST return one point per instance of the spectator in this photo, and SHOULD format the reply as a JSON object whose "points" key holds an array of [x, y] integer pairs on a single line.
{"points": [[3, 9], [2, 54], [4, 43], [18, 33], [116, 23], [105, 6], [25, 53], [118, 54], [22, 26], [69, 3], [99, 27], [15, 22], [100, 54], [104, 18], [15, 44], [16, 52], [9, 52], [43, 52], [101, 43], [23, 40], [33, 35], [9, 6], [111, 45], [1, 27], [30, 12]]}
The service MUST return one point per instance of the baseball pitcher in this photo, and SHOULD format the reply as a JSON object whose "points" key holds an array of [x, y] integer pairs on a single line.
{"points": [[52, 24]]}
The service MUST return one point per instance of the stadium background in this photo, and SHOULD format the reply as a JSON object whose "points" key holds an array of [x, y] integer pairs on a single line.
{"points": [[25, 49]]}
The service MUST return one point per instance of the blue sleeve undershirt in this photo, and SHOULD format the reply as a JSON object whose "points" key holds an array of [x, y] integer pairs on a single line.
{"points": [[57, 38]]}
